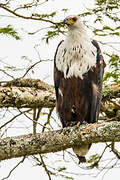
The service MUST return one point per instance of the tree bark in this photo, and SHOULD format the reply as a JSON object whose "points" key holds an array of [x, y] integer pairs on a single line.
{"points": [[53, 141], [34, 93], [26, 97]]}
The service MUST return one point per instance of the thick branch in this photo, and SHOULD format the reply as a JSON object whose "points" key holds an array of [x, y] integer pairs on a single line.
{"points": [[54, 141], [26, 97], [23, 82], [33, 93], [111, 91]]}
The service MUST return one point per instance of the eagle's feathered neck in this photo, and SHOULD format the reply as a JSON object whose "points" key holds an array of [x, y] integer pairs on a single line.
{"points": [[78, 32]]}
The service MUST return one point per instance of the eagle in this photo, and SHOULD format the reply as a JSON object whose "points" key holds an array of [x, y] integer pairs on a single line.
{"points": [[78, 76]]}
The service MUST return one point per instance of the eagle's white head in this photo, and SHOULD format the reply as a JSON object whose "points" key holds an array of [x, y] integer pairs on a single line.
{"points": [[74, 23], [71, 20]]}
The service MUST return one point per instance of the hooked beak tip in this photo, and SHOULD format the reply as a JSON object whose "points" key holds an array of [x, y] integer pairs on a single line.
{"points": [[65, 21]]}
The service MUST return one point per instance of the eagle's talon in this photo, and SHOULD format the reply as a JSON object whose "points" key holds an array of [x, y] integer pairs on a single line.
{"points": [[78, 124]]}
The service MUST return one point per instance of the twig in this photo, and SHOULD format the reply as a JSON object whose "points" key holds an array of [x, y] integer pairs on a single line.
{"points": [[33, 120], [14, 168], [115, 150], [30, 5], [109, 44], [6, 73], [96, 162], [48, 119], [32, 33], [108, 169], [30, 68], [22, 112], [44, 165], [36, 116]]}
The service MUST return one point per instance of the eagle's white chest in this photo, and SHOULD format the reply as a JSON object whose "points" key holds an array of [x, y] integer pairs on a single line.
{"points": [[75, 56]]}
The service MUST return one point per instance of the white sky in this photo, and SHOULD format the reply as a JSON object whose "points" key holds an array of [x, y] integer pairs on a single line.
{"points": [[11, 52]]}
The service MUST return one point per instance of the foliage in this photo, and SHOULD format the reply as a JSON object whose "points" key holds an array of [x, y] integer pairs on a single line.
{"points": [[45, 15], [107, 9], [59, 29], [103, 9], [107, 31], [9, 31], [93, 158], [114, 73]]}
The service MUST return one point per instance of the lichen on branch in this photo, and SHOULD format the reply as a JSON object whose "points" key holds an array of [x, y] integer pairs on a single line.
{"points": [[53, 141]]}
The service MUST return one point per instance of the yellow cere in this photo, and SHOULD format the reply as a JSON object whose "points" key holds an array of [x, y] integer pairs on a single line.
{"points": [[70, 21]]}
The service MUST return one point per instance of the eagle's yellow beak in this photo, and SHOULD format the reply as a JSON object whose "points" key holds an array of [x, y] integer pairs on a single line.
{"points": [[68, 21]]}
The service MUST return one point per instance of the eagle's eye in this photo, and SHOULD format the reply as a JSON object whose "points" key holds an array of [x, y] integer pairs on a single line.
{"points": [[74, 19]]}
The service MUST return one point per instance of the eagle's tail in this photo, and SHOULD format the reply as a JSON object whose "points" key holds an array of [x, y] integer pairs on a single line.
{"points": [[81, 151], [82, 159]]}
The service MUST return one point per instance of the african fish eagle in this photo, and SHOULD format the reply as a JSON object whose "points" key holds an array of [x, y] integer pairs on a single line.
{"points": [[78, 74]]}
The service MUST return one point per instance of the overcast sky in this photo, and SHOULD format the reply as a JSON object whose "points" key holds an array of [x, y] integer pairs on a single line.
{"points": [[11, 52]]}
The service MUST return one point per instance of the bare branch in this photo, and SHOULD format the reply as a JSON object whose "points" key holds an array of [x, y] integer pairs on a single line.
{"points": [[31, 67], [22, 112], [36, 115], [25, 82], [27, 17], [30, 5], [14, 168], [45, 167], [115, 150], [9, 75], [48, 119]]}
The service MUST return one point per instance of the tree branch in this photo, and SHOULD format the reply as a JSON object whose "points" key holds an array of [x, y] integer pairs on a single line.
{"points": [[53, 141], [34, 93], [26, 97], [27, 17], [26, 82]]}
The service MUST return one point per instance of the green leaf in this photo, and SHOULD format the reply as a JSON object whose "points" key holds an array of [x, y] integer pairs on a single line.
{"points": [[100, 2], [108, 28], [85, 14], [62, 169], [65, 9], [44, 15], [10, 31], [114, 73], [93, 158], [115, 33], [99, 32], [51, 34]]}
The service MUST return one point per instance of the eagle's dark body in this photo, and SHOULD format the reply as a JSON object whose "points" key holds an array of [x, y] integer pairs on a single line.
{"points": [[81, 99], [78, 99]]}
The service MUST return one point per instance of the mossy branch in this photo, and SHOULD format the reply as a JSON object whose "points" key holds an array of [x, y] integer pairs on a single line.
{"points": [[34, 93], [53, 141]]}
